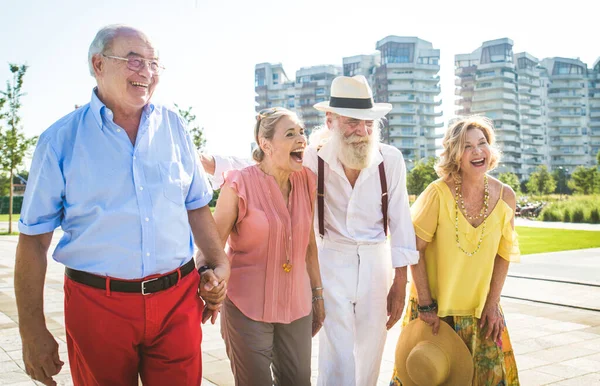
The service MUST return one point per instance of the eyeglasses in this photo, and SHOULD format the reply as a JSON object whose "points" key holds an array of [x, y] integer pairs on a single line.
{"points": [[136, 64]]}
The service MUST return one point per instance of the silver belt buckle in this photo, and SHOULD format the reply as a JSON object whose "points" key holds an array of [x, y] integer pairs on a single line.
{"points": [[144, 285]]}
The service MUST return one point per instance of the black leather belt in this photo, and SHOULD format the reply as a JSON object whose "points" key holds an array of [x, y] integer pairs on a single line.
{"points": [[144, 287]]}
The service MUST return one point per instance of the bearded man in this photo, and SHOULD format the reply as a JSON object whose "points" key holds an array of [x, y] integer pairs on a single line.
{"points": [[359, 178]]}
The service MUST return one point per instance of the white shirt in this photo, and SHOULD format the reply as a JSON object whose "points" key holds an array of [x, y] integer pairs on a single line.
{"points": [[353, 215]]}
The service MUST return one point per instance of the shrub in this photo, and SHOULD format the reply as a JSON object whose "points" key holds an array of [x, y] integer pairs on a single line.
{"points": [[595, 216], [567, 215], [578, 215], [551, 214]]}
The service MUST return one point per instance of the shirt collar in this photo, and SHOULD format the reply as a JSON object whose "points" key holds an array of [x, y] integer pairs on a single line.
{"points": [[329, 155], [98, 108]]}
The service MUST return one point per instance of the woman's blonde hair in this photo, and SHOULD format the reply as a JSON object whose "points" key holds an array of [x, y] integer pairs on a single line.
{"points": [[266, 120], [448, 164]]}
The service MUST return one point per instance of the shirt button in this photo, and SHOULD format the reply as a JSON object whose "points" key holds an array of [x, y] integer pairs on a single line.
{"points": [[147, 219], [134, 157], [148, 254], [141, 188], [118, 130]]}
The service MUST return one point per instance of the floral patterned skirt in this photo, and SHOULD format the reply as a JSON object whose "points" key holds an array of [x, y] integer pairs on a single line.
{"points": [[494, 362]]}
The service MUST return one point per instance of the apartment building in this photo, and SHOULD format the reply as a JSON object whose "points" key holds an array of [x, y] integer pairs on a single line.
{"points": [[313, 85], [408, 79], [546, 112]]}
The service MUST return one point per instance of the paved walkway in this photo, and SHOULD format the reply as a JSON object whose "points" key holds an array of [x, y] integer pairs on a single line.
{"points": [[553, 345], [557, 225]]}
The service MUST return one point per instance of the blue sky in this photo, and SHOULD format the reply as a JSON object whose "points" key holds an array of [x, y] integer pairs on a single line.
{"points": [[210, 47]]}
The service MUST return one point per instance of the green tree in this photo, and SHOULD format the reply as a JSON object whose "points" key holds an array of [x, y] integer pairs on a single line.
{"points": [[511, 180], [421, 175], [196, 131], [561, 176], [14, 146], [541, 181], [585, 180], [598, 157]]}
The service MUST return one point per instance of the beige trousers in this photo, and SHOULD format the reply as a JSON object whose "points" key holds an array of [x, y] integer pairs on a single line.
{"points": [[254, 347]]}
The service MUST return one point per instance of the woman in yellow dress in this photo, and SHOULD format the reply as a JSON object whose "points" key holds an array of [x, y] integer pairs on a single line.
{"points": [[464, 224]]}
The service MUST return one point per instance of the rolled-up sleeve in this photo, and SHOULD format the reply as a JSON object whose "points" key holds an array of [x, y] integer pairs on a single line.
{"points": [[402, 233], [200, 192], [42, 209]]}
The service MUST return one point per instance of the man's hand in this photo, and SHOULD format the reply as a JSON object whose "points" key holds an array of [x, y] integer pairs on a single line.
{"points": [[395, 300], [208, 163], [40, 355], [213, 289], [432, 319]]}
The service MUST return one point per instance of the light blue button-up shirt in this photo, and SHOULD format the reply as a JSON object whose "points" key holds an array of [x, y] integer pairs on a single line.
{"points": [[122, 207]]}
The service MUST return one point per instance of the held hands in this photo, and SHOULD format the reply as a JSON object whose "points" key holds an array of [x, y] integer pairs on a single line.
{"points": [[40, 355], [395, 301], [212, 289], [492, 320]]}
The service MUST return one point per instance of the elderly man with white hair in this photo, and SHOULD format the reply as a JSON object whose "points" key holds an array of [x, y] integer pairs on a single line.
{"points": [[121, 177], [361, 197]]}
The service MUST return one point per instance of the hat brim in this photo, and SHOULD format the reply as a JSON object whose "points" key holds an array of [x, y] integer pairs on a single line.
{"points": [[461, 366], [379, 110]]}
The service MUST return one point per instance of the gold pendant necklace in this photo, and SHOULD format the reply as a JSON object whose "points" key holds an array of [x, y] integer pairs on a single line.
{"points": [[486, 196]]}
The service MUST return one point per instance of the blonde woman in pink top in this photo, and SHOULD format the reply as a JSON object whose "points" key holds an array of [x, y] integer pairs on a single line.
{"points": [[274, 301]]}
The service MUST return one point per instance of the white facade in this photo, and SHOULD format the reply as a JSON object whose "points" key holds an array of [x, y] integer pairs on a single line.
{"points": [[272, 87], [408, 79], [313, 85]]}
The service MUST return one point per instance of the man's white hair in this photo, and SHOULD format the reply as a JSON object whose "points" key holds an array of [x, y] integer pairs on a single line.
{"points": [[104, 38]]}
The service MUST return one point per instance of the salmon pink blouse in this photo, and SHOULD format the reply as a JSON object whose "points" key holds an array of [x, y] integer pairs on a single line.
{"points": [[266, 234]]}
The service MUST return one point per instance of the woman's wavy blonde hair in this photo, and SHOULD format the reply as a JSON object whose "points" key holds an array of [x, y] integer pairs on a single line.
{"points": [[448, 164]]}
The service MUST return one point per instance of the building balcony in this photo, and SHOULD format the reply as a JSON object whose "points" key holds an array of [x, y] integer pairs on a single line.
{"points": [[510, 149], [530, 102], [403, 110], [507, 159], [595, 133], [564, 162], [403, 98], [566, 115], [538, 142], [594, 123], [558, 141], [432, 134], [508, 138], [430, 89], [595, 114], [565, 86], [559, 95], [507, 127], [567, 153], [401, 87], [533, 131], [571, 103], [431, 124], [495, 96], [533, 161], [497, 85], [403, 134], [562, 124], [430, 113], [532, 122], [568, 133], [429, 101], [402, 122], [431, 67]]}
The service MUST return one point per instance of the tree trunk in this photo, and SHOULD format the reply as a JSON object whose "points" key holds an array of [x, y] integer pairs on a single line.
{"points": [[10, 203]]}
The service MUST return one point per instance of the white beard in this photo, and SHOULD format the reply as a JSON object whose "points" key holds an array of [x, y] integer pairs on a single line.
{"points": [[355, 152]]}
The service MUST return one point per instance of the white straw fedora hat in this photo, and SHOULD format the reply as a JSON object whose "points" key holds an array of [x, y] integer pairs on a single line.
{"points": [[352, 97]]}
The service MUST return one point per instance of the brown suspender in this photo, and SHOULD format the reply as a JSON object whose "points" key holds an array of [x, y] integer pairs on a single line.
{"points": [[321, 196]]}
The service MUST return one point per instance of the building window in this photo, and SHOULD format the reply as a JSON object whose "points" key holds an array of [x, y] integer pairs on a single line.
{"points": [[397, 53], [566, 69], [259, 77], [320, 91], [497, 54]]}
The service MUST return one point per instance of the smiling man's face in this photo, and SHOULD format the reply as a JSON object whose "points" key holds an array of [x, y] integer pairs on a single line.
{"points": [[123, 87]]}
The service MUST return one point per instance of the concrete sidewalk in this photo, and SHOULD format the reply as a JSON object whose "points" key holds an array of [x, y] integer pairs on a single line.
{"points": [[553, 345]]}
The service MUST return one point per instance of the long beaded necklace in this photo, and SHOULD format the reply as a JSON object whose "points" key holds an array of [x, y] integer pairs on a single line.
{"points": [[482, 213]]}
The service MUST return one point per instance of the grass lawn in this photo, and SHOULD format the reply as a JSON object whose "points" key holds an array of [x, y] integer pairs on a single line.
{"points": [[4, 217], [540, 240]]}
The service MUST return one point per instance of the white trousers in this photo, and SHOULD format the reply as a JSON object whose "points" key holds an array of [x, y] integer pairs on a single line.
{"points": [[356, 279]]}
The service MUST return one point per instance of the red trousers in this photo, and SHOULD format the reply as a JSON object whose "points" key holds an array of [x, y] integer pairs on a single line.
{"points": [[113, 337]]}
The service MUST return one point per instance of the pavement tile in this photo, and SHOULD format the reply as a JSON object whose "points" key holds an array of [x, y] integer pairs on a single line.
{"points": [[562, 353], [562, 371], [529, 361], [586, 380], [584, 364], [536, 378]]}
